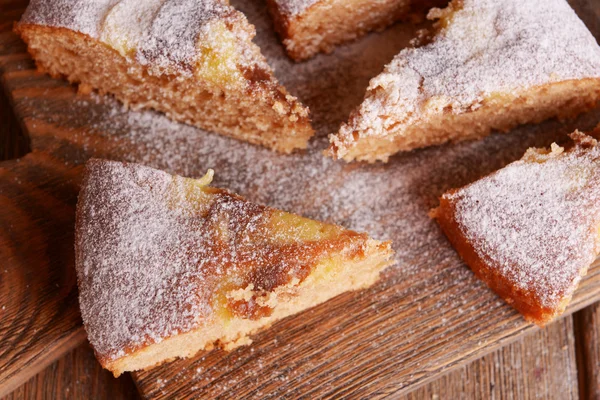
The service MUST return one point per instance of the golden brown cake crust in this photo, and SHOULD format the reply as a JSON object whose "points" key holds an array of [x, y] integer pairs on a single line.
{"points": [[159, 257], [530, 230]]}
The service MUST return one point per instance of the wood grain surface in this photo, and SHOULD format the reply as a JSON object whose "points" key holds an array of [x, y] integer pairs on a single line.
{"points": [[426, 316], [77, 375], [538, 366], [39, 314], [587, 327], [12, 142], [39, 319]]}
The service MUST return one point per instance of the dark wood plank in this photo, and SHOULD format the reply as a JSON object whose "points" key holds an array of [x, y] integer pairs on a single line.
{"points": [[587, 324], [12, 142], [426, 316], [77, 375], [541, 365], [39, 318]]}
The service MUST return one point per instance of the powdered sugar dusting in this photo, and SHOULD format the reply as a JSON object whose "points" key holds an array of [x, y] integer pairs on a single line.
{"points": [[156, 253], [141, 257], [537, 222], [389, 201], [163, 34], [176, 29], [127, 222], [79, 15], [294, 7], [488, 48]]}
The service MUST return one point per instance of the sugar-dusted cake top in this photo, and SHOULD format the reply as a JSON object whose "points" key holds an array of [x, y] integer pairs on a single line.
{"points": [[294, 7], [483, 48], [165, 34], [157, 254], [536, 221]]}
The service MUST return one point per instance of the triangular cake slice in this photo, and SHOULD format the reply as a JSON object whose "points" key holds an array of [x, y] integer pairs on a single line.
{"points": [[194, 60], [491, 65], [531, 230], [168, 266]]}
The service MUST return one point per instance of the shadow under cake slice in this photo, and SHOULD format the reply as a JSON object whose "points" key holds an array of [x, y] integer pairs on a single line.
{"points": [[531, 230], [492, 65], [168, 266], [194, 60]]}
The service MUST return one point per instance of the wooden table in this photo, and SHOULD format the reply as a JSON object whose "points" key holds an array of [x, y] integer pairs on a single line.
{"points": [[561, 361]]}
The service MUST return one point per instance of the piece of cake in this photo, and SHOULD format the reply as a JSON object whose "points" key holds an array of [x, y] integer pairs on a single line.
{"points": [[194, 60], [491, 65], [168, 266], [531, 230], [308, 27]]}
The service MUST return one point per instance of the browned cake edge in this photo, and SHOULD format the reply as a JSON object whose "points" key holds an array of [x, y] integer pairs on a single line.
{"points": [[564, 100], [355, 274], [262, 113], [522, 300], [329, 23]]}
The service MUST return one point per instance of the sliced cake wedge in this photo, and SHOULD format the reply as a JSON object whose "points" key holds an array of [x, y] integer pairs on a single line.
{"points": [[194, 60], [492, 65], [168, 266], [531, 230]]}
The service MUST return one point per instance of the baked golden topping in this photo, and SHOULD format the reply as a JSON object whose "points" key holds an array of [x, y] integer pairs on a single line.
{"points": [[160, 256]]}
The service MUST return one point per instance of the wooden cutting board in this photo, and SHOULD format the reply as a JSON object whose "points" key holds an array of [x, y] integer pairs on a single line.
{"points": [[426, 315]]}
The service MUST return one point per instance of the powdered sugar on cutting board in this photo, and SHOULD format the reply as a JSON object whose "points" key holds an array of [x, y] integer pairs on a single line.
{"points": [[536, 221], [388, 201]]}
